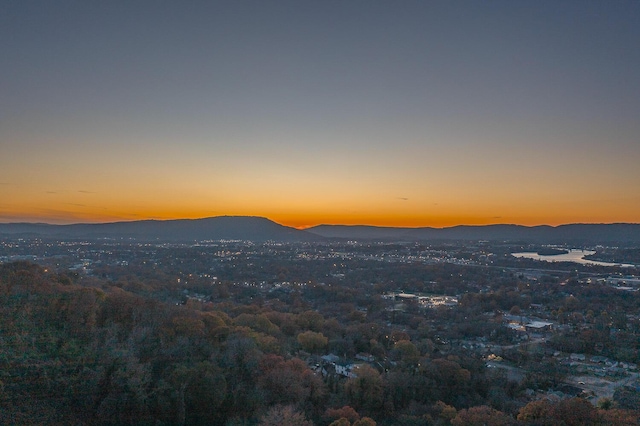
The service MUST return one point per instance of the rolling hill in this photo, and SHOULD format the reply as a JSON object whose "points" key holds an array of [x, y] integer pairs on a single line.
{"points": [[573, 233], [261, 229], [213, 228]]}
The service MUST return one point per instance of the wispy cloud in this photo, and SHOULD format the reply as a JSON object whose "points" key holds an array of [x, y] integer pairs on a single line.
{"points": [[402, 198], [86, 192]]}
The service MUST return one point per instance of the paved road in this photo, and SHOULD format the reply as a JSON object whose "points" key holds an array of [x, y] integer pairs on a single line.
{"points": [[601, 387]]}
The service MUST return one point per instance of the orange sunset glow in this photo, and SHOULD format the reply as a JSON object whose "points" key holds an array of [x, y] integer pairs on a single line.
{"points": [[390, 118]]}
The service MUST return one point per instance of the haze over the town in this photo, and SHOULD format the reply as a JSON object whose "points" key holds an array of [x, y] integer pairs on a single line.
{"points": [[405, 113]]}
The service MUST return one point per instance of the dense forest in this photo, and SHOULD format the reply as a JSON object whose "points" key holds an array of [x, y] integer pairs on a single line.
{"points": [[92, 351]]}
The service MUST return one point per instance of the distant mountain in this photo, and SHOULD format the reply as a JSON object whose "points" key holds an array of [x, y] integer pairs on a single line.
{"points": [[623, 233], [215, 228], [261, 229]]}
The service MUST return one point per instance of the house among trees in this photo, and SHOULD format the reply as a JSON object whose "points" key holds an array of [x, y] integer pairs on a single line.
{"points": [[330, 358], [538, 326], [363, 356]]}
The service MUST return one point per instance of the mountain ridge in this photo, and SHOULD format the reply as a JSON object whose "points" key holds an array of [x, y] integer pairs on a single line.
{"points": [[566, 233], [256, 228], [251, 228]]}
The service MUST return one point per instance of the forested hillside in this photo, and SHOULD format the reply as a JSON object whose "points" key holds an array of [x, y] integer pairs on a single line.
{"points": [[88, 352]]}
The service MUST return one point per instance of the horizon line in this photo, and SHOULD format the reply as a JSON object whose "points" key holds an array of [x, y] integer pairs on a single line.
{"points": [[302, 228]]}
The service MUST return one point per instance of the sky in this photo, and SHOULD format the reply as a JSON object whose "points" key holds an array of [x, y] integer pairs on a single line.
{"points": [[392, 113]]}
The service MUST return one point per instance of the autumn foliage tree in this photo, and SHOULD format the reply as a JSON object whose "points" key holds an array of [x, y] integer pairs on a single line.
{"points": [[365, 421], [289, 382], [365, 390], [537, 412], [345, 412], [481, 416], [284, 416], [575, 412], [312, 341]]}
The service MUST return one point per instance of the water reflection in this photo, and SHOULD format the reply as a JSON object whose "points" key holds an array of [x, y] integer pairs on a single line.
{"points": [[574, 255]]}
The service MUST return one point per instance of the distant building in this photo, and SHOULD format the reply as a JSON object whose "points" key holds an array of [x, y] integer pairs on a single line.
{"points": [[363, 356], [330, 358], [577, 357], [625, 281], [538, 326], [345, 370]]}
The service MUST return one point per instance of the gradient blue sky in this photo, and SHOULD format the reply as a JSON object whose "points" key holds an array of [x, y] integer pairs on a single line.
{"points": [[410, 113]]}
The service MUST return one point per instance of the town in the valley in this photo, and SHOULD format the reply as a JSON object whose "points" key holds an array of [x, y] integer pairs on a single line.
{"points": [[108, 331]]}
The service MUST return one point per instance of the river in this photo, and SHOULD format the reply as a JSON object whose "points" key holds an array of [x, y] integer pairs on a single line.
{"points": [[574, 255]]}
